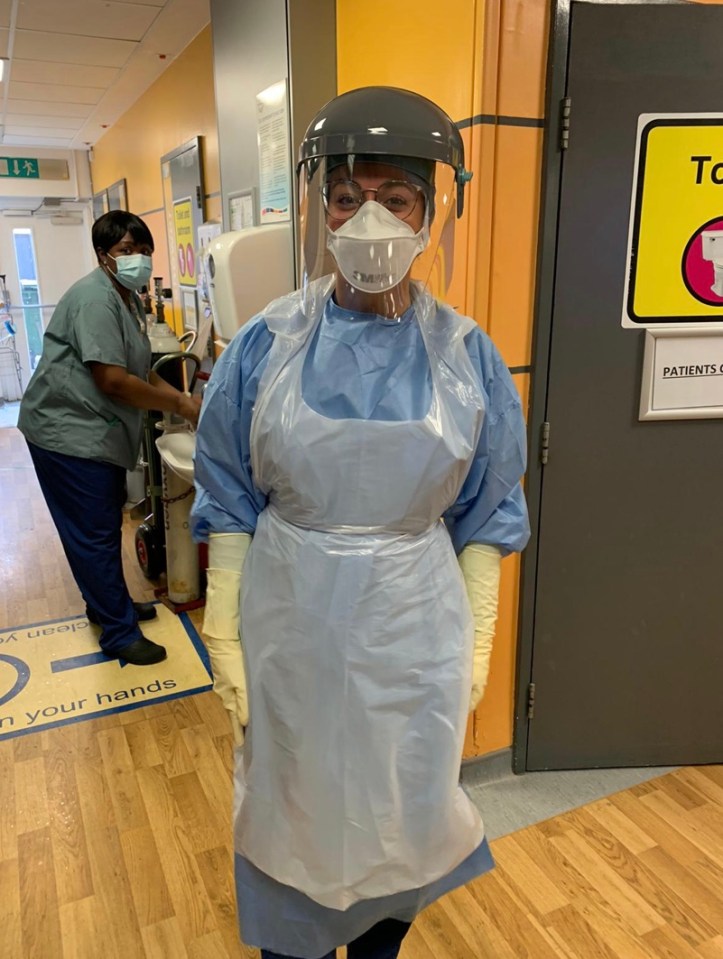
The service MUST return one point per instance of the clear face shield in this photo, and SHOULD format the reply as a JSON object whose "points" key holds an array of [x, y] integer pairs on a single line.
{"points": [[382, 227]]}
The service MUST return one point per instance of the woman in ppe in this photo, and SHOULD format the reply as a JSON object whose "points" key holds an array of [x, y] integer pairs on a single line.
{"points": [[358, 470]]}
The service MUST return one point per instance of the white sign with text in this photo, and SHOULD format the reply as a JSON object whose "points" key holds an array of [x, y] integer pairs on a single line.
{"points": [[682, 374]]}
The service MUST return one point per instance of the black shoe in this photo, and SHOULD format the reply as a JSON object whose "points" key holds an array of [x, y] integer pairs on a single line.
{"points": [[141, 652], [144, 612]]}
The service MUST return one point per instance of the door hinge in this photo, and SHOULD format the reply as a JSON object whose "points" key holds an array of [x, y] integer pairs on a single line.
{"points": [[544, 443], [565, 110], [199, 202], [531, 701]]}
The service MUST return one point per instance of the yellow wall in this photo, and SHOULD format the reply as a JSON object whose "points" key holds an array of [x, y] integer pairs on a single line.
{"points": [[473, 58], [178, 107]]}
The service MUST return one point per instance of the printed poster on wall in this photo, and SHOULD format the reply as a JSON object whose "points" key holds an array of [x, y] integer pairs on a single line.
{"points": [[185, 248], [675, 248], [274, 158]]}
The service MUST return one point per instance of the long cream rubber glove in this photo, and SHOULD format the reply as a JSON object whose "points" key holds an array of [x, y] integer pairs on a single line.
{"points": [[480, 567], [221, 626]]}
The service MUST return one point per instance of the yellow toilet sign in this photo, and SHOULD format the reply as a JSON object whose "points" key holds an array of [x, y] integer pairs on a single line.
{"points": [[675, 246]]}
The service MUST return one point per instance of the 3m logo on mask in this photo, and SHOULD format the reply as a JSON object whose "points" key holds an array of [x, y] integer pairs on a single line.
{"points": [[376, 278]]}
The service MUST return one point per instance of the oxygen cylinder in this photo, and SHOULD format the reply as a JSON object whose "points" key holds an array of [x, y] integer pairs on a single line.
{"points": [[182, 569]]}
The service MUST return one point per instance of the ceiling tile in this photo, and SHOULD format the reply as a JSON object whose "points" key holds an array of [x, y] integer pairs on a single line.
{"points": [[28, 120], [89, 63], [178, 24], [15, 141], [4, 35], [5, 8], [88, 18], [59, 94], [29, 133], [65, 48], [42, 107], [73, 74]]}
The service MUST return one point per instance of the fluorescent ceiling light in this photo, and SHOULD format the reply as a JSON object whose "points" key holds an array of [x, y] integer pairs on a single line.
{"points": [[2, 68]]}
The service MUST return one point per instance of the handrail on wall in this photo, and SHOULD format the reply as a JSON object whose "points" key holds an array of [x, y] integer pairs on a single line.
{"points": [[32, 306]]}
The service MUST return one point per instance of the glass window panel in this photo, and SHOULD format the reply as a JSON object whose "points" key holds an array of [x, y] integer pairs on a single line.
{"points": [[31, 318], [25, 255]]}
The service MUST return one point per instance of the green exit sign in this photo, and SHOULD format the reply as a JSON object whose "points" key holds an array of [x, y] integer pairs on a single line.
{"points": [[19, 167]]}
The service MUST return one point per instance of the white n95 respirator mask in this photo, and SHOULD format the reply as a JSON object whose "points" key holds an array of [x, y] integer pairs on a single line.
{"points": [[374, 250]]}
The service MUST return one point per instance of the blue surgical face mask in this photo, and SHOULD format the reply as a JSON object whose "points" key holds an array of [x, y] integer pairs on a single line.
{"points": [[133, 270]]}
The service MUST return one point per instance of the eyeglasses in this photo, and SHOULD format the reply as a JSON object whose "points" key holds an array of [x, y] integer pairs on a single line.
{"points": [[342, 198]]}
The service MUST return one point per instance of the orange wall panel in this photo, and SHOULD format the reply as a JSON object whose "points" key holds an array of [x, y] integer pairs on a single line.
{"points": [[486, 67], [457, 293], [481, 201], [156, 223], [522, 58], [213, 209], [518, 156], [425, 47]]}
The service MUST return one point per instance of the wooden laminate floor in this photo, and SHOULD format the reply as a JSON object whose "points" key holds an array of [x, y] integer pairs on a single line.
{"points": [[115, 835]]}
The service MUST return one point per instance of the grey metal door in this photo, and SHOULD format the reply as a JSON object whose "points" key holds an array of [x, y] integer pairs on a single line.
{"points": [[627, 656]]}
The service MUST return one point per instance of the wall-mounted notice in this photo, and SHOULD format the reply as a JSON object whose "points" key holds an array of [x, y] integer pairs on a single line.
{"points": [[206, 233], [241, 210], [682, 374], [675, 247], [185, 247], [272, 118]]}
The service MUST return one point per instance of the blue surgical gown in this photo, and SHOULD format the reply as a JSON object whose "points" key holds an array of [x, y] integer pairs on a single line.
{"points": [[360, 365]]}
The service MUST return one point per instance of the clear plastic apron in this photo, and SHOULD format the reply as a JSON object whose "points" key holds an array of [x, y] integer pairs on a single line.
{"points": [[357, 634]]}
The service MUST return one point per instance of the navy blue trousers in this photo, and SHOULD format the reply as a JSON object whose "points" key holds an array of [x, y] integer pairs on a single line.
{"points": [[382, 941], [85, 499]]}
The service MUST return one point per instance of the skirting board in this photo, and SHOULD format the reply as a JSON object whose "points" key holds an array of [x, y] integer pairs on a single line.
{"points": [[487, 769]]}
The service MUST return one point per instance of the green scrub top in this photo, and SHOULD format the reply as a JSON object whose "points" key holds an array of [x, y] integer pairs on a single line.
{"points": [[62, 409]]}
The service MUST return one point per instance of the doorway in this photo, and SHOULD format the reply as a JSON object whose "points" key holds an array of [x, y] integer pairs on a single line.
{"points": [[621, 659]]}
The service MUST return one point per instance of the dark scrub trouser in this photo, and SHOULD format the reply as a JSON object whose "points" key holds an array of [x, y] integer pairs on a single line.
{"points": [[85, 499], [382, 941]]}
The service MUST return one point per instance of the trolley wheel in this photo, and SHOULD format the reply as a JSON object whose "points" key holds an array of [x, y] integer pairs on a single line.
{"points": [[149, 551]]}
